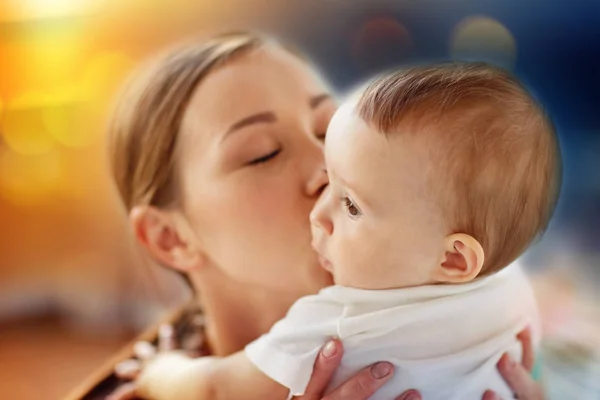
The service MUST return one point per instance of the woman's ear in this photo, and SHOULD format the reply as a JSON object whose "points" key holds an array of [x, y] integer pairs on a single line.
{"points": [[161, 233], [462, 260]]}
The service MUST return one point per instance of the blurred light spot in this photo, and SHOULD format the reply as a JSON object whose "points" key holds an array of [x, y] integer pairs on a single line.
{"points": [[31, 9], [54, 56], [102, 78], [480, 38], [23, 127], [380, 42], [66, 122], [27, 179], [66, 118], [103, 75]]}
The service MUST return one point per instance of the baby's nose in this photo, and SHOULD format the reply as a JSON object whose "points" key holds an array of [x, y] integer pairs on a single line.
{"points": [[319, 219]]}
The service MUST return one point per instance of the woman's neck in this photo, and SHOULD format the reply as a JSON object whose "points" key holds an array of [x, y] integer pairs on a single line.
{"points": [[237, 313]]}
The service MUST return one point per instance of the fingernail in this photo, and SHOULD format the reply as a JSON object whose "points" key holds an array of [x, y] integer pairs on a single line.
{"points": [[125, 367], [329, 350], [410, 395], [489, 395], [144, 349], [165, 330], [506, 362], [525, 332], [381, 370], [510, 363]]}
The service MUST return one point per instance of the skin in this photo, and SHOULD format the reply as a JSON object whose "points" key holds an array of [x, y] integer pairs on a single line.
{"points": [[380, 211], [240, 230]]}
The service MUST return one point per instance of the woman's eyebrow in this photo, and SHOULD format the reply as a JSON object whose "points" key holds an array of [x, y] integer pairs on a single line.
{"points": [[316, 100], [269, 116], [259, 118]]}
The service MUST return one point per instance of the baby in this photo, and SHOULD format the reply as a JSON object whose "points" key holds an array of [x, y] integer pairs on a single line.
{"points": [[440, 177]]}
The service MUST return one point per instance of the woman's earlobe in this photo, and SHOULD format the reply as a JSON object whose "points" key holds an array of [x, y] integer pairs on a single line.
{"points": [[462, 260]]}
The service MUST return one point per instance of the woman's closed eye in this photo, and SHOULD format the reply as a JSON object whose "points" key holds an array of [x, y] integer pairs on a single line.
{"points": [[265, 158], [353, 211], [321, 136]]}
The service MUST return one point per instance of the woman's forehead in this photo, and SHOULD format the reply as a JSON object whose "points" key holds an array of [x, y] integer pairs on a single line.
{"points": [[265, 80]]}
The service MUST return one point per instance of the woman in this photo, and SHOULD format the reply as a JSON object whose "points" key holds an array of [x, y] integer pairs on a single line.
{"points": [[217, 154]]}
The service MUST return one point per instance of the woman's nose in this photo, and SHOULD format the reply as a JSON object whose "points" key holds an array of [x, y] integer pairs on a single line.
{"points": [[318, 182], [319, 216], [313, 166]]}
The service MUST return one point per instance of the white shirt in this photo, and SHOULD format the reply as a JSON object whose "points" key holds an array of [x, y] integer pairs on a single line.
{"points": [[444, 340]]}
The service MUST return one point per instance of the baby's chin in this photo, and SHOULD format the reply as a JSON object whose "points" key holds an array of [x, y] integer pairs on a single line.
{"points": [[325, 277], [325, 264]]}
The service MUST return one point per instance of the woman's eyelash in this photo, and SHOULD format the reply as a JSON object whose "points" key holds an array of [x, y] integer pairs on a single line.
{"points": [[353, 211], [265, 158], [321, 136]]}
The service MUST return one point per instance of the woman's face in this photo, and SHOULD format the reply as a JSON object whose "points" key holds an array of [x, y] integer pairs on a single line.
{"points": [[251, 168]]}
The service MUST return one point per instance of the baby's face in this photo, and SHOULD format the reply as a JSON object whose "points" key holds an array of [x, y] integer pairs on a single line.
{"points": [[376, 226]]}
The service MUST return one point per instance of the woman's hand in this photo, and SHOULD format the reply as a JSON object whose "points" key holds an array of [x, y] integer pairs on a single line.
{"points": [[360, 387], [518, 376]]}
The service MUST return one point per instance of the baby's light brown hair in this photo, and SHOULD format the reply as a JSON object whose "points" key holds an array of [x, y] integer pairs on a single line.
{"points": [[494, 152]]}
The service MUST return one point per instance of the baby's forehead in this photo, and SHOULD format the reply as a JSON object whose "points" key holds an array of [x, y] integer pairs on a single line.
{"points": [[348, 129], [354, 144]]}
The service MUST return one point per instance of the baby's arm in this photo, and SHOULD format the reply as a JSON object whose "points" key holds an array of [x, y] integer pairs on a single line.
{"points": [[175, 376], [287, 353]]}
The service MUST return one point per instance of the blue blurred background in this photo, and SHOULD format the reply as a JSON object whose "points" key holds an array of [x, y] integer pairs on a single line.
{"points": [[72, 289]]}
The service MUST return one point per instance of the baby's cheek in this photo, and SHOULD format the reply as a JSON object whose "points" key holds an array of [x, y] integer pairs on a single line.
{"points": [[356, 259]]}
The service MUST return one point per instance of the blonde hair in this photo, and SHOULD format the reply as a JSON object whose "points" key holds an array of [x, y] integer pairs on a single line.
{"points": [[144, 127], [494, 151]]}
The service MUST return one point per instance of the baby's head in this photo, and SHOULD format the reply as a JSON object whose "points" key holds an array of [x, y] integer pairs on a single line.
{"points": [[437, 174]]}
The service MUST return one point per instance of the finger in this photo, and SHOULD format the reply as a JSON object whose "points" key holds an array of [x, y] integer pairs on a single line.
{"points": [[528, 358], [144, 351], [166, 338], [519, 379], [193, 344], [325, 365], [410, 395], [489, 395], [128, 369], [124, 392], [364, 384]]}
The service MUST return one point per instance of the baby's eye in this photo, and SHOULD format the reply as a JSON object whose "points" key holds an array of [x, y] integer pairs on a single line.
{"points": [[353, 211]]}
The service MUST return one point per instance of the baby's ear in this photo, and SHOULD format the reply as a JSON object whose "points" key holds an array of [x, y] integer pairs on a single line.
{"points": [[462, 260]]}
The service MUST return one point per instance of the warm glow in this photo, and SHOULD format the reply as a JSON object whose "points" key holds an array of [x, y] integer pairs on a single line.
{"points": [[23, 127], [26, 9], [69, 124], [53, 57], [28, 180], [104, 74]]}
